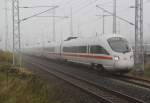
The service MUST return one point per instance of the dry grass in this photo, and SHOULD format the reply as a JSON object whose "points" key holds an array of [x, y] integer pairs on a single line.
{"points": [[147, 69], [21, 86], [147, 66], [25, 87]]}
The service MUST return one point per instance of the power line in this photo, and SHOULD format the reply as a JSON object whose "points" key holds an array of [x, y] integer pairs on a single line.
{"points": [[87, 11], [39, 13], [26, 7], [67, 2], [81, 8], [63, 17], [116, 16], [105, 3]]}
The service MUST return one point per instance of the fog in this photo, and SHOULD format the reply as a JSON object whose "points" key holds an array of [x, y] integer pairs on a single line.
{"points": [[86, 23]]}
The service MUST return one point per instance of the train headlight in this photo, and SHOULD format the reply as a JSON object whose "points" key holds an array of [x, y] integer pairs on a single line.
{"points": [[116, 58]]}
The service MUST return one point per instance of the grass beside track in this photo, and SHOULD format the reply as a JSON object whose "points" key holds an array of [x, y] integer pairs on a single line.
{"points": [[24, 87], [21, 86], [147, 66], [147, 70]]}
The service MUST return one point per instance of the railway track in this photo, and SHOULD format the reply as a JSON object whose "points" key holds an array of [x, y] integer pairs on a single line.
{"points": [[101, 93], [133, 80]]}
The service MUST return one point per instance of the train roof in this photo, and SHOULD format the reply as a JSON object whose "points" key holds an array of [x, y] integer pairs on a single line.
{"points": [[83, 41], [91, 40], [104, 36]]}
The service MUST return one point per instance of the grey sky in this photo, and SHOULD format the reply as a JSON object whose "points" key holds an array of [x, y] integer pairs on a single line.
{"points": [[85, 21]]}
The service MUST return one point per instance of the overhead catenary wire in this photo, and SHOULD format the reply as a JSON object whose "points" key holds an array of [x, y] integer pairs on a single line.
{"points": [[83, 7], [26, 7], [70, 1], [63, 17], [116, 16], [90, 3], [63, 4], [38, 13]]}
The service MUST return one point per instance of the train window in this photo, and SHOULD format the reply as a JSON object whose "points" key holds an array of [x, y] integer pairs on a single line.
{"points": [[82, 49], [119, 45], [96, 49], [65, 49], [75, 49]]}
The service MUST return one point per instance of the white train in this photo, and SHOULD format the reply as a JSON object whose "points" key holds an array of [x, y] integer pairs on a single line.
{"points": [[110, 52]]}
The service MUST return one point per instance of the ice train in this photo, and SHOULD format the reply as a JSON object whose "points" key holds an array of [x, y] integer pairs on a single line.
{"points": [[110, 52]]}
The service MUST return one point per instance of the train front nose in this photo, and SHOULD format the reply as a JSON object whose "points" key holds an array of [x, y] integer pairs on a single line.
{"points": [[124, 62]]}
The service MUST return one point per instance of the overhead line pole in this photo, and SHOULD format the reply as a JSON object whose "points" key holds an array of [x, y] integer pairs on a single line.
{"points": [[114, 17], [103, 23], [141, 29], [6, 26], [139, 48], [71, 24], [19, 34], [54, 35], [16, 30], [13, 32]]}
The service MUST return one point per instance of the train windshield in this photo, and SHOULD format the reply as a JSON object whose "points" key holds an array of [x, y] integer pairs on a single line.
{"points": [[119, 44]]}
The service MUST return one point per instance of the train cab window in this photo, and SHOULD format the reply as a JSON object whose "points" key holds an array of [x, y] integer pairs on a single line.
{"points": [[96, 49], [119, 44]]}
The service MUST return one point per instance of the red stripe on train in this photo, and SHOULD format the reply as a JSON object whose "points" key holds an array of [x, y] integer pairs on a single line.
{"points": [[90, 56], [86, 56]]}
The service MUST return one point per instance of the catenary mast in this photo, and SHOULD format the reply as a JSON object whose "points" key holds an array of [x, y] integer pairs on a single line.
{"points": [[139, 48], [16, 32], [6, 26]]}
